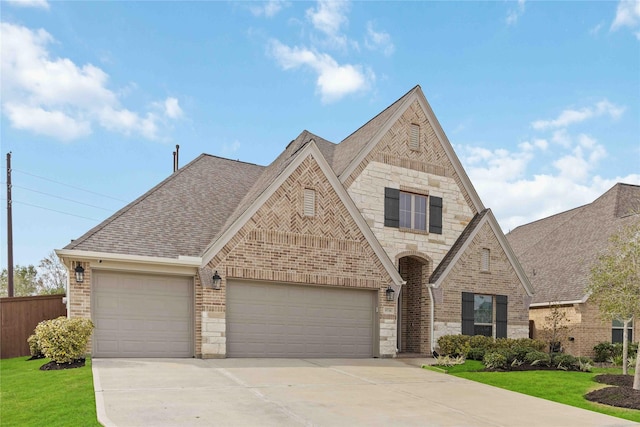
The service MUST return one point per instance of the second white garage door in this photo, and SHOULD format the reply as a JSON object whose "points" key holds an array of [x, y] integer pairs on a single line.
{"points": [[138, 315], [281, 320]]}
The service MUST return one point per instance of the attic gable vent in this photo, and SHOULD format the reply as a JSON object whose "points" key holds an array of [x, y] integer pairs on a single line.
{"points": [[309, 202], [486, 256], [414, 137]]}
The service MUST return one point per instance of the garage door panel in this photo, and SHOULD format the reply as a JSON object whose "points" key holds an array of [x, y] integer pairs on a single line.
{"points": [[142, 316], [279, 320]]}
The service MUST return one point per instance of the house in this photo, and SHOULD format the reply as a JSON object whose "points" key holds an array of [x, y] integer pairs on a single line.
{"points": [[558, 253], [371, 247]]}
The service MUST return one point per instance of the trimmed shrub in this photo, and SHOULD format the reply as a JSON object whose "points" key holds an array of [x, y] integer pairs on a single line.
{"points": [[454, 345], [34, 347], [564, 361], [520, 352], [528, 342], [481, 341], [476, 353], [64, 340], [537, 358], [603, 351], [494, 360], [508, 354]]}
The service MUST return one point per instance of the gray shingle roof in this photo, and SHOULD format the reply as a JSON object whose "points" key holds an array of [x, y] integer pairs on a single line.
{"points": [[179, 216], [557, 252]]}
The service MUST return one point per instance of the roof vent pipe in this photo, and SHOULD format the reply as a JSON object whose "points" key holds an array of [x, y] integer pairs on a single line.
{"points": [[177, 157], [174, 161]]}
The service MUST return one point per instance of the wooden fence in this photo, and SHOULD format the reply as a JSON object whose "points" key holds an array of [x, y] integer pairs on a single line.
{"points": [[19, 317]]}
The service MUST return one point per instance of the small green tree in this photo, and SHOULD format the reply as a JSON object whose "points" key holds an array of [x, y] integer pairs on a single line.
{"points": [[25, 281], [556, 327], [53, 275], [615, 284]]}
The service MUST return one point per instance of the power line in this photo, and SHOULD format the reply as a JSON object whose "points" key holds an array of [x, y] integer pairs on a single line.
{"points": [[62, 198], [52, 210], [68, 185]]}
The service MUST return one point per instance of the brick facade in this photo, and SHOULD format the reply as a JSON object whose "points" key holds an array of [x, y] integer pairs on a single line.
{"points": [[585, 326], [466, 276], [280, 244]]}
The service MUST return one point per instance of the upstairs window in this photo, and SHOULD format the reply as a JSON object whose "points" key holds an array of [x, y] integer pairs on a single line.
{"points": [[412, 211]]}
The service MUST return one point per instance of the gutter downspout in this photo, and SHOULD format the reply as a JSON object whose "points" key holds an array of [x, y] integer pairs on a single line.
{"points": [[431, 313]]}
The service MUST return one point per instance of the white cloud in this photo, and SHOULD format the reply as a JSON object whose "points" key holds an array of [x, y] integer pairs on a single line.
{"points": [[569, 116], [381, 41], [515, 13], [329, 17], [55, 97], [627, 15], [172, 109], [229, 149], [334, 81], [520, 187], [595, 30], [39, 4], [268, 8], [55, 124]]}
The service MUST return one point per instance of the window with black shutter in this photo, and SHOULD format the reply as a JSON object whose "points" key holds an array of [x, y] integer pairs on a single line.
{"points": [[392, 207], [501, 316], [467, 314], [409, 210]]}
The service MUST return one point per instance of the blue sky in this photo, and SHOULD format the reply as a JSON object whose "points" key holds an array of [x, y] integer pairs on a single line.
{"points": [[541, 100]]}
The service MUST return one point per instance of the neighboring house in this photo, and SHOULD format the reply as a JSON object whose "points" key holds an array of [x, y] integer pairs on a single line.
{"points": [[558, 253], [366, 248]]}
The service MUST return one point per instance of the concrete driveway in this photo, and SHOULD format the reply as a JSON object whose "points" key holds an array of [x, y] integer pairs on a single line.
{"points": [[318, 392]]}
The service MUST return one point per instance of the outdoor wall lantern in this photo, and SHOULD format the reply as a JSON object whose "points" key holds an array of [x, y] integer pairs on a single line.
{"points": [[79, 273], [217, 280], [390, 292]]}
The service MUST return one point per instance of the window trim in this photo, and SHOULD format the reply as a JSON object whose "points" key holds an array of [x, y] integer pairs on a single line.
{"points": [[413, 212]]}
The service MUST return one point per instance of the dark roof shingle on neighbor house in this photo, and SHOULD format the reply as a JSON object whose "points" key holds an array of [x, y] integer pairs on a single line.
{"points": [[558, 252]]}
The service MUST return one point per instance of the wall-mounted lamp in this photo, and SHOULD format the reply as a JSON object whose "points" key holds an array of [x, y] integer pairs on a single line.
{"points": [[79, 273], [390, 293], [216, 280]]}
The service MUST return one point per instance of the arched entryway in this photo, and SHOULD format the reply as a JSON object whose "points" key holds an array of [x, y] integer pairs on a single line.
{"points": [[413, 304]]}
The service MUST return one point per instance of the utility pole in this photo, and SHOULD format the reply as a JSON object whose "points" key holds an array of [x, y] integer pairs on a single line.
{"points": [[9, 230]]}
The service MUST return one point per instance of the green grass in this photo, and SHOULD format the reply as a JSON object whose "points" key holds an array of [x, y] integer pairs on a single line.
{"points": [[564, 387], [31, 397]]}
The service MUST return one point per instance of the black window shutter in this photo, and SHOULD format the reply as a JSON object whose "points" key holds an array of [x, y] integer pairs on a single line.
{"points": [[501, 316], [467, 314], [392, 207], [435, 215]]}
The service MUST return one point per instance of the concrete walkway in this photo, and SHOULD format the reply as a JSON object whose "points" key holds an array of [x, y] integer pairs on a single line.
{"points": [[318, 392]]}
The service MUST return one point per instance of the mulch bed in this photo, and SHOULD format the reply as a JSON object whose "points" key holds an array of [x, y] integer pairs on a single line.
{"points": [[53, 366], [621, 395]]}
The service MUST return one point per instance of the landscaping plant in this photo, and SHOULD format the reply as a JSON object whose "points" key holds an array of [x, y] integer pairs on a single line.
{"points": [[64, 340]]}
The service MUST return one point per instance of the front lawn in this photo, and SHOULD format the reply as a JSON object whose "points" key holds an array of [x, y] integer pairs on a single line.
{"points": [[568, 387], [31, 397]]}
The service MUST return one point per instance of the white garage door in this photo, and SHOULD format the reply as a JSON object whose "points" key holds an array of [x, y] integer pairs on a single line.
{"points": [[278, 320], [139, 315]]}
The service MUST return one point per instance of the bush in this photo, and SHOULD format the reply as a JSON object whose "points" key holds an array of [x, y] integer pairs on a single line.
{"points": [[565, 361], [64, 340], [603, 351], [508, 354], [528, 342], [521, 352], [454, 345], [481, 341], [34, 347], [585, 364], [537, 358], [476, 353], [494, 360], [449, 361]]}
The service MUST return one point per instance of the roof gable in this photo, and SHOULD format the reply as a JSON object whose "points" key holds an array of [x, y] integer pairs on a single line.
{"points": [[351, 155], [299, 150], [464, 241]]}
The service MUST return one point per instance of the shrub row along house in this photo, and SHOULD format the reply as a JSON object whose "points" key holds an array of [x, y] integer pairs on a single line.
{"points": [[366, 248], [558, 253]]}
